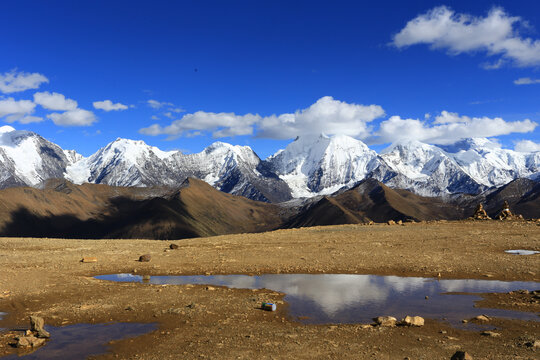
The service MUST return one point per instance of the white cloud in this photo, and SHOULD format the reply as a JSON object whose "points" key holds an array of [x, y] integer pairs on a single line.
{"points": [[77, 117], [447, 128], [526, 81], [495, 34], [155, 117], [107, 105], [154, 104], [527, 146], [169, 115], [54, 101], [220, 124], [17, 81], [15, 110], [30, 119], [327, 116]]}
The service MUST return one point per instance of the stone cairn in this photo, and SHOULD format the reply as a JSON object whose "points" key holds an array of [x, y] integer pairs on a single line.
{"points": [[505, 213], [480, 213]]}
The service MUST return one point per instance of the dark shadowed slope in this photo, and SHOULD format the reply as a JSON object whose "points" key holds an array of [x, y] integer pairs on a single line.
{"points": [[372, 200], [100, 211]]}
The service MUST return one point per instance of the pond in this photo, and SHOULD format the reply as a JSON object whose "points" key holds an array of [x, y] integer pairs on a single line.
{"points": [[522, 252], [344, 298], [82, 340]]}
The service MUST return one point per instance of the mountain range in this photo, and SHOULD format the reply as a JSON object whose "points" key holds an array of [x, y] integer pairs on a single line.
{"points": [[61, 209], [309, 166]]}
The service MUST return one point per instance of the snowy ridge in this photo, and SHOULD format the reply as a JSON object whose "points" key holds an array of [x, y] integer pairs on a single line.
{"points": [[315, 165], [307, 167]]}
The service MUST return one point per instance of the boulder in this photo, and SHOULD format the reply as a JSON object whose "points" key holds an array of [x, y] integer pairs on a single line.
{"points": [[413, 321], [145, 258], [482, 318], [36, 326], [385, 321]]}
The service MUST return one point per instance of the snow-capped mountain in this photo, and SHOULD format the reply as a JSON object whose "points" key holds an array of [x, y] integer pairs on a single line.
{"points": [[488, 164], [234, 169], [124, 163], [309, 166], [28, 159], [425, 169], [315, 165]]}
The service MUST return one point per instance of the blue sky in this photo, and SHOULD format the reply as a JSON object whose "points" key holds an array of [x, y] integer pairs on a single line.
{"points": [[183, 74]]}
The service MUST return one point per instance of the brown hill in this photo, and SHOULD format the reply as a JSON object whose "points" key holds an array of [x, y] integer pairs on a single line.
{"points": [[371, 200], [196, 209]]}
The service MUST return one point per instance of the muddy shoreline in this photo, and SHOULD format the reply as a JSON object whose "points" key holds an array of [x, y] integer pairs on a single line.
{"points": [[45, 277]]}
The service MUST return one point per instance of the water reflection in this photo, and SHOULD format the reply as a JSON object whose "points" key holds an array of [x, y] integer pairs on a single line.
{"points": [[82, 340], [343, 298], [522, 252]]}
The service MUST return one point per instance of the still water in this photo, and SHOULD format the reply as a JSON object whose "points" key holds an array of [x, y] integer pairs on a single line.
{"points": [[82, 340], [344, 298]]}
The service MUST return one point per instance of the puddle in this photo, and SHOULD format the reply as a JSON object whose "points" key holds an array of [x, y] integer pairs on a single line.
{"points": [[2, 314], [343, 298], [522, 252], [82, 340]]}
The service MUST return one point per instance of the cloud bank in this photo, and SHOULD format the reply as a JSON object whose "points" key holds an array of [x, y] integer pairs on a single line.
{"points": [[17, 81], [447, 128], [527, 146], [54, 101], [18, 110], [77, 117], [495, 34], [526, 81], [108, 105]]}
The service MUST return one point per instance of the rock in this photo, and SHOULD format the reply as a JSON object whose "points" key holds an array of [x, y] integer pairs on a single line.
{"points": [[461, 355], [413, 321], [146, 277], [173, 246], [399, 222], [36, 325], [490, 333], [482, 318], [536, 344], [29, 341], [391, 222], [89, 259], [210, 288], [385, 321], [145, 258]]}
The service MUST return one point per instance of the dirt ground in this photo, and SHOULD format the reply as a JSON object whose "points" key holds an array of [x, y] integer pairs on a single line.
{"points": [[45, 277]]}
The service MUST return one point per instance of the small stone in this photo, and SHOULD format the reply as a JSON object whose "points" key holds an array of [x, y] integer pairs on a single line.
{"points": [[427, 297], [36, 325], [89, 259], [461, 355], [490, 333], [145, 258], [210, 288], [482, 318], [464, 321], [399, 222], [29, 341], [413, 321], [391, 222], [536, 344], [385, 321], [173, 247]]}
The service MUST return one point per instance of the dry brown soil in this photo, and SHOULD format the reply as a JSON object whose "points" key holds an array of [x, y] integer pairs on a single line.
{"points": [[45, 277]]}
